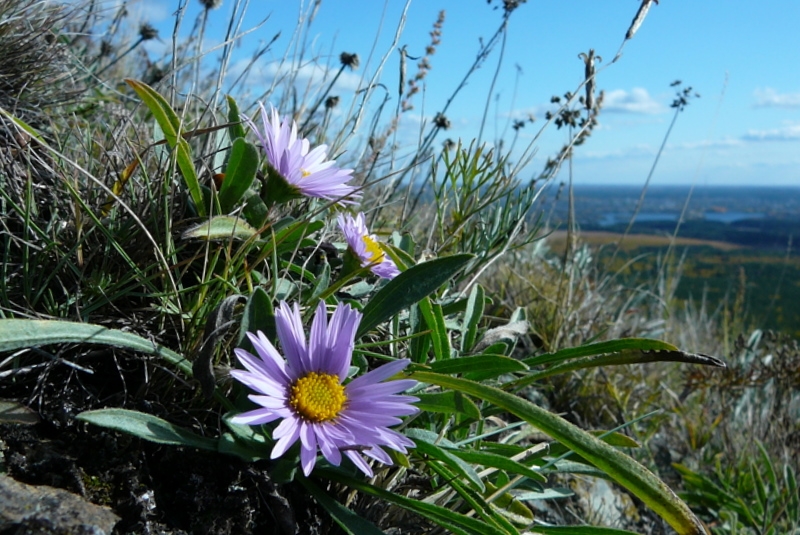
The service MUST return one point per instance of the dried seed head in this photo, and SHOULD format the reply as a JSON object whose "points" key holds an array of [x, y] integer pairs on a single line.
{"points": [[106, 48], [349, 60], [511, 5], [331, 102], [147, 32], [441, 121], [211, 4]]}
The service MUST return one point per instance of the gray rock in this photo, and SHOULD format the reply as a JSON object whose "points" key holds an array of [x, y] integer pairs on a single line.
{"points": [[46, 510]]}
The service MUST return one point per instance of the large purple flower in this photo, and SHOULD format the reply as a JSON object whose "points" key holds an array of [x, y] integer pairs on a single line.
{"points": [[307, 173], [307, 391], [365, 246]]}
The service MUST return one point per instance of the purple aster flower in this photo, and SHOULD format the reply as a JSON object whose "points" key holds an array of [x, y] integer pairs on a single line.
{"points": [[365, 246], [307, 391], [307, 173]]}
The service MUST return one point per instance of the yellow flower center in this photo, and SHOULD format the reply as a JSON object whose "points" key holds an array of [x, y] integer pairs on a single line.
{"points": [[374, 250], [317, 397]]}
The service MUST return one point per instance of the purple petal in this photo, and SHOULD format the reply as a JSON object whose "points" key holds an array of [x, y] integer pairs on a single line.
{"points": [[380, 373], [383, 407], [269, 402], [379, 389], [289, 325], [308, 448], [359, 461], [379, 455], [308, 458], [318, 340], [256, 417], [328, 445], [289, 430]]}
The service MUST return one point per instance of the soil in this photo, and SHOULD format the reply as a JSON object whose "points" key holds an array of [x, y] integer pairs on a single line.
{"points": [[154, 489]]}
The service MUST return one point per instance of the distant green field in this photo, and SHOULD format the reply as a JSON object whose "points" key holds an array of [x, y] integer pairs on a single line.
{"points": [[769, 280]]}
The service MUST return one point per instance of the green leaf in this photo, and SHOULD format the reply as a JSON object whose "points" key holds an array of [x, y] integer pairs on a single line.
{"points": [[349, 521], [508, 506], [487, 365], [321, 282], [473, 500], [620, 467], [255, 211], [430, 444], [553, 493], [22, 125], [599, 348], [493, 460], [580, 530], [432, 313], [613, 439], [421, 341], [258, 316], [455, 522], [229, 445], [793, 508], [17, 334], [235, 128], [170, 124], [621, 357], [221, 227], [409, 287], [472, 317], [148, 427], [12, 412], [575, 468], [295, 236], [448, 402], [239, 174]]}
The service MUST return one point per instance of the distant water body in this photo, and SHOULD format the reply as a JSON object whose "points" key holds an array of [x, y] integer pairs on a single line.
{"points": [[615, 218], [608, 206]]}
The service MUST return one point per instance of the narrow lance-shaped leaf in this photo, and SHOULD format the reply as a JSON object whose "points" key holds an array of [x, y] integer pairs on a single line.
{"points": [[170, 124], [235, 128], [432, 313], [148, 427], [17, 334], [451, 520], [488, 365], [408, 288], [259, 315], [239, 174], [449, 402], [599, 348], [472, 317], [348, 520], [624, 356], [430, 444], [221, 227], [581, 530], [620, 467]]}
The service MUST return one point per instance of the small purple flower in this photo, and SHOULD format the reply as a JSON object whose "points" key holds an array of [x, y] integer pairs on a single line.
{"points": [[309, 173], [365, 246], [307, 391]]}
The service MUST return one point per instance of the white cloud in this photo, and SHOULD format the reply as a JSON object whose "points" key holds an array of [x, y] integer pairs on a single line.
{"points": [[769, 98], [633, 151], [637, 100], [713, 144], [789, 132], [314, 74], [308, 75]]}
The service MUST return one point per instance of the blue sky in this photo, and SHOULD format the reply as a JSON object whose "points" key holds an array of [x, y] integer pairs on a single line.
{"points": [[740, 55]]}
